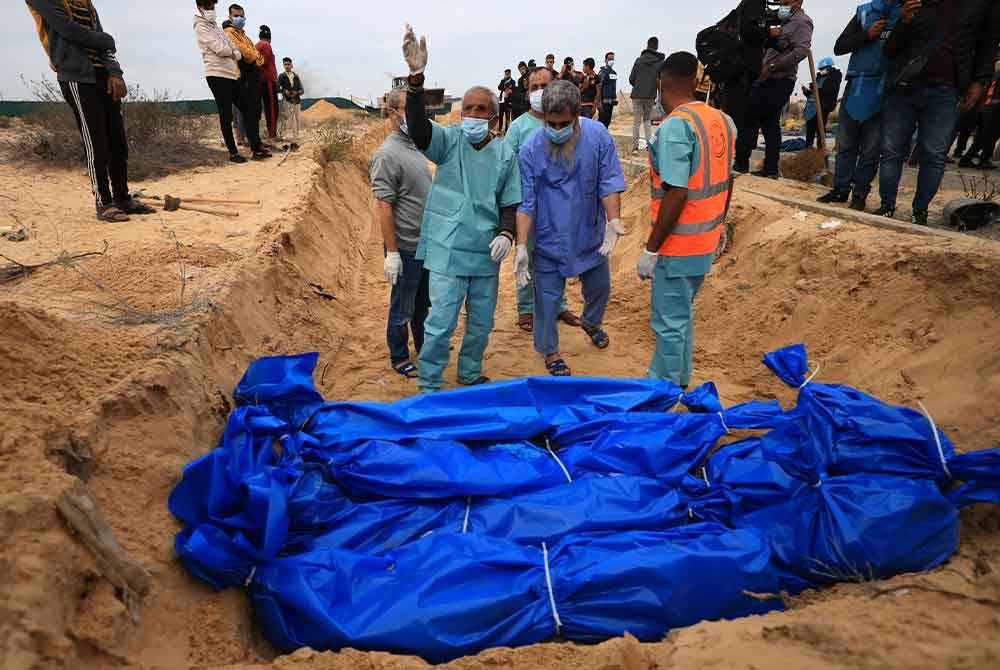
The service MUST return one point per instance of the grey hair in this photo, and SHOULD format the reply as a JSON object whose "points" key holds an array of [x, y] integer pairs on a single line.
{"points": [[395, 98], [561, 96], [487, 91]]}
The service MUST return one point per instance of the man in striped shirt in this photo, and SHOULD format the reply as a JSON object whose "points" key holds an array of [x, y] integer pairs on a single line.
{"points": [[83, 57]]}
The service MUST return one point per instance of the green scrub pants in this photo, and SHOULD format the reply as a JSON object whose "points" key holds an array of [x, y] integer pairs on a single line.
{"points": [[448, 294], [672, 320]]}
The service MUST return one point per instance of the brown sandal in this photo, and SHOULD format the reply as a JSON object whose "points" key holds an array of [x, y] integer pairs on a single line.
{"points": [[526, 322], [570, 319], [112, 214]]}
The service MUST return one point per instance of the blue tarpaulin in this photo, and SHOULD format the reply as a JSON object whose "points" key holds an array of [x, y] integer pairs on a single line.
{"points": [[581, 509]]}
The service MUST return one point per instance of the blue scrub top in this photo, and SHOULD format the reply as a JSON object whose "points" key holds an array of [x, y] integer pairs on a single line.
{"points": [[565, 202], [462, 214]]}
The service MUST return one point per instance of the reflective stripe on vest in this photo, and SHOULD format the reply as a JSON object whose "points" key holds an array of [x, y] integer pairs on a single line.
{"points": [[699, 225]]}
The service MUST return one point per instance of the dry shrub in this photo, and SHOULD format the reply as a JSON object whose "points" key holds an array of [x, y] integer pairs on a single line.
{"points": [[335, 143], [160, 139], [805, 165]]}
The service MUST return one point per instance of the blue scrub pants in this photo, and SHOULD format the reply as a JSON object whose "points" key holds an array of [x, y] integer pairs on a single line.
{"points": [[448, 294], [526, 295], [672, 320], [550, 287]]}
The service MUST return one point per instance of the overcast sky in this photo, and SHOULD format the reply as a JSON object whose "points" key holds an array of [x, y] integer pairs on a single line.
{"points": [[352, 48]]}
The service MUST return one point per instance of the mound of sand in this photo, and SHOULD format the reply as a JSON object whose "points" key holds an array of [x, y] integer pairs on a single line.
{"points": [[805, 165], [126, 406], [325, 111]]}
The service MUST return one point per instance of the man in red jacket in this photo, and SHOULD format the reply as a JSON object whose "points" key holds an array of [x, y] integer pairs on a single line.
{"points": [[268, 82]]}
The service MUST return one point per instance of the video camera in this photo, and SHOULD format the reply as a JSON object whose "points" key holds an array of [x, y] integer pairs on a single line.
{"points": [[770, 17]]}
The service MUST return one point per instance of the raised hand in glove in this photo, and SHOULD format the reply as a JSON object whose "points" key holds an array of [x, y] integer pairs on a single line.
{"points": [[521, 274], [393, 267], [647, 264], [414, 52], [500, 247], [614, 230]]}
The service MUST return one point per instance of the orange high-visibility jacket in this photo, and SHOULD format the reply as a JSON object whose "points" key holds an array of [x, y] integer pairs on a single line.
{"points": [[700, 224]]}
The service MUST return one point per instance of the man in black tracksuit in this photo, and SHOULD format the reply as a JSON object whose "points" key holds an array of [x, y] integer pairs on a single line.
{"points": [[83, 56], [747, 21]]}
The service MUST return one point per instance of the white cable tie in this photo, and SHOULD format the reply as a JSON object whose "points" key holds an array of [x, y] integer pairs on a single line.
{"points": [[253, 571], [691, 514], [811, 377], [724, 425], [565, 471], [465, 524], [548, 583], [937, 439], [818, 484], [704, 475]]}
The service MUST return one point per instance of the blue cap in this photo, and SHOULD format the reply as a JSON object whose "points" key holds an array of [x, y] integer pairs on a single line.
{"points": [[826, 62]]}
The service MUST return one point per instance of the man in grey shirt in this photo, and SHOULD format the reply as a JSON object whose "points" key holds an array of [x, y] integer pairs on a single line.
{"points": [[788, 45], [400, 180]]}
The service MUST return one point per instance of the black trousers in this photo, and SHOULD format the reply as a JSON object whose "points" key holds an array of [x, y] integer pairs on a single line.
{"points": [[604, 114], [248, 102], [734, 98], [812, 129], [225, 92], [987, 136], [967, 124], [105, 144], [506, 111], [269, 103], [767, 101]]}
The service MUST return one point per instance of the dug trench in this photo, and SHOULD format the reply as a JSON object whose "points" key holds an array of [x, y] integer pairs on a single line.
{"points": [[124, 404]]}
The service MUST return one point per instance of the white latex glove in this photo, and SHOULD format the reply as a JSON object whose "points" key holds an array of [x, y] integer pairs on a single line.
{"points": [[521, 274], [647, 264], [500, 247], [393, 267], [614, 230], [415, 53]]}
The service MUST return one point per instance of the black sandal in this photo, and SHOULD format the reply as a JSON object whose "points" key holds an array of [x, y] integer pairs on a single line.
{"points": [[478, 382], [112, 214], [558, 368], [407, 369], [133, 206], [597, 337]]}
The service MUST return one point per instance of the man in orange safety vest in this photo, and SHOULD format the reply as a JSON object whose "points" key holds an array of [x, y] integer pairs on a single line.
{"points": [[691, 160]]}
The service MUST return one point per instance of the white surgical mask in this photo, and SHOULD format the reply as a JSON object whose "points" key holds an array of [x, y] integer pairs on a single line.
{"points": [[536, 100], [611, 63]]}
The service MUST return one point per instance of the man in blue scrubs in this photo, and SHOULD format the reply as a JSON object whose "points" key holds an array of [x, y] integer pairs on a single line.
{"points": [[571, 182]]}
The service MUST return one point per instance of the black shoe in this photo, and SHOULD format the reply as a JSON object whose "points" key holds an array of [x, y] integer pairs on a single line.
{"points": [[237, 158], [765, 174], [261, 155], [835, 195], [919, 217], [987, 165], [740, 168], [966, 162], [858, 203], [887, 212]]}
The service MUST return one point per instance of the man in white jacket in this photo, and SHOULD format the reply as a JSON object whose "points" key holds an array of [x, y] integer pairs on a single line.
{"points": [[220, 56]]}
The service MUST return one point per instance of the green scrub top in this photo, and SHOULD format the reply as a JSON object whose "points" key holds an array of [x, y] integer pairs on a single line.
{"points": [[462, 215], [521, 130]]}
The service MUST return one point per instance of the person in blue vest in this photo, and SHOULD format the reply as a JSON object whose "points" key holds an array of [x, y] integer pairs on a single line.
{"points": [[829, 79], [859, 133]]}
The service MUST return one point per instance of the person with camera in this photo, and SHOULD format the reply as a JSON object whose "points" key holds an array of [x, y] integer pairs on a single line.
{"points": [[940, 61], [859, 131], [788, 44]]}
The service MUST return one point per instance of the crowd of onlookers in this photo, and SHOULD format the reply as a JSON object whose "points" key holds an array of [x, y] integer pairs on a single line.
{"points": [[244, 80]]}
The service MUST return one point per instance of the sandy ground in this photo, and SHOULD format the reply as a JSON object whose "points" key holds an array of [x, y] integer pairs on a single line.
{"points": [[118, 368]]}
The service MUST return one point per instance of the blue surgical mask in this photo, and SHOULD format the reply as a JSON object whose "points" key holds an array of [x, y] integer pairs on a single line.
{"points": [[240, 21], [559, 136], [475, 130], [784, 12]]}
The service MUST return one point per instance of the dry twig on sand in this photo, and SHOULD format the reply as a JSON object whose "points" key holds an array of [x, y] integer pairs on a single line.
{"points": [[15, 270]]}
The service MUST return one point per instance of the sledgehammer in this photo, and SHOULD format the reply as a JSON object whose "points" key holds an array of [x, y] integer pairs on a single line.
{"points": [[172, 204]]}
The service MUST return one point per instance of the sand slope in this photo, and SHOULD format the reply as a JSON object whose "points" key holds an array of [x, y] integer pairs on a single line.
{"points": [[139, 390]]}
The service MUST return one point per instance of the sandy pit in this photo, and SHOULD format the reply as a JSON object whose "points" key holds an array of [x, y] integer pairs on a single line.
{"points": [[119, 368]]}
